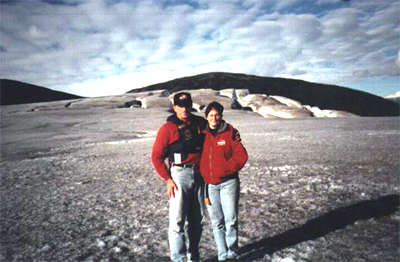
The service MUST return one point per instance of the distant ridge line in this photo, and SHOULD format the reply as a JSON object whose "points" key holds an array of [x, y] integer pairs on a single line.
{"points": [[16, 92], [314, 94], [323, 96]]}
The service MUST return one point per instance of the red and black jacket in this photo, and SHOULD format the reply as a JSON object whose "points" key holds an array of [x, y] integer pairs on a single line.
{"points": [[223, 154], [176, 136]]}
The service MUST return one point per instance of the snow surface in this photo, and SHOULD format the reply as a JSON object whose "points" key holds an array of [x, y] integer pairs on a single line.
{"points": [[77, 185]]}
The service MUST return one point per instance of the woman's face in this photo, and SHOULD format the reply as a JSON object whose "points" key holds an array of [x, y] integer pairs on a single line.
{"points": [[213, 118]]}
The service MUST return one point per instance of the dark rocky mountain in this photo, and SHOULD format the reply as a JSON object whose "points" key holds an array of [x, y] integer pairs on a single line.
{"points": [[15, 92], [313, 94]]}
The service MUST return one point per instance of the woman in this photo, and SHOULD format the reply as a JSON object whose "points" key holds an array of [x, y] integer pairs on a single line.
{"points": [[222, 157]]}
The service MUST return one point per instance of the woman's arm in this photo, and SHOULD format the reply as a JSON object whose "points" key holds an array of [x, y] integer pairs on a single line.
{"points": [[239, 153]]}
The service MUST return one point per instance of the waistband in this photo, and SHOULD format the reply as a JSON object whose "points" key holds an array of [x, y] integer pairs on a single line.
{"points": [[185, 165]]}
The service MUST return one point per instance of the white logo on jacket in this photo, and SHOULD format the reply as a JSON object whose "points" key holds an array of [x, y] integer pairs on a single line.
{"points": [[221, 142]]}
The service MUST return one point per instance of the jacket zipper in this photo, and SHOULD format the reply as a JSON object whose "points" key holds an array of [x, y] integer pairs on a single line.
{"points": [[210, 156]]}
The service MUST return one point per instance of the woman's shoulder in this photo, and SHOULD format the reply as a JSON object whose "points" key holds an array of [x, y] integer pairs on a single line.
{"points": [[233, 132]]}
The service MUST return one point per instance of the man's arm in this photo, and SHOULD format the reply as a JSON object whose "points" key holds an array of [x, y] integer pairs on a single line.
{"points": [[158, 153], [157, 159]]}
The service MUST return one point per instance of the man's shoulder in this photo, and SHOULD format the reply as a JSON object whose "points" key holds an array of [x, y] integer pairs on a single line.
{"points": [[167, 126], [200, 121], [172, 119]]}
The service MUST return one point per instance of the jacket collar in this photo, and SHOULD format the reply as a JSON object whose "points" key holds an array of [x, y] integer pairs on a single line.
{"points": [[222, 128], [174, 119]]}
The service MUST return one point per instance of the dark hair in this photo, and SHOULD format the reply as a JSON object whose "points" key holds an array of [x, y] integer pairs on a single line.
{"points": [[214, 105]]}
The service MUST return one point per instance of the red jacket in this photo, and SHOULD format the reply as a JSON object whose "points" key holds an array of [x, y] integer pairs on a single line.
{"points": [[167, 135], [223, 154]]}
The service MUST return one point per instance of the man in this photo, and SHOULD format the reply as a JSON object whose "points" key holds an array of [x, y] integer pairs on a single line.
{"points": [[180, 140]]}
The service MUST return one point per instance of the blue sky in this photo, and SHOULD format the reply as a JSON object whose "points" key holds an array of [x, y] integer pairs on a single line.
{"points": [[108, 47]]}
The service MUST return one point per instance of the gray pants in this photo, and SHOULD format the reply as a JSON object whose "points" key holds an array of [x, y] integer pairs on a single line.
{"points": [[185, 215]]}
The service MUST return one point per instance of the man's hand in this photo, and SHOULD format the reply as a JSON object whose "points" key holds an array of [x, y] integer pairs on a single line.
{"points": [[171, 187]]}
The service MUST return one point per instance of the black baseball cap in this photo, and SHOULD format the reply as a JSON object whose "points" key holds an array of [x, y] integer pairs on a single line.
{"points": [[183, 99]]}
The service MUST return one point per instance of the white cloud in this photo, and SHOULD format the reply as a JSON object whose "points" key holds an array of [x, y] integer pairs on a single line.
{"points": [[398, 60], [78, 47], [395, 95], [323, 2], [285, 3]]}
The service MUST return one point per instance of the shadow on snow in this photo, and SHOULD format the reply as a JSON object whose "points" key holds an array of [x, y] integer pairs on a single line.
{"points": [[320, 226]]}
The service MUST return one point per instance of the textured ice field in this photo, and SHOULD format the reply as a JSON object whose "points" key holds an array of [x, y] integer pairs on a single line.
{"points": [[77, 185]]}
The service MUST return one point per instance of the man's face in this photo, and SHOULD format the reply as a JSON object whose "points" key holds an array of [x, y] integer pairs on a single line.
{"points": [[182, 112]]}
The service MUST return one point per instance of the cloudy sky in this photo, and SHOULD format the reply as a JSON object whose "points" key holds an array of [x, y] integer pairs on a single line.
{"points": [[108, 47]]}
